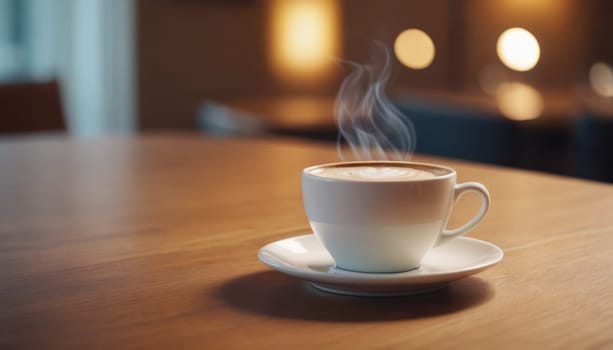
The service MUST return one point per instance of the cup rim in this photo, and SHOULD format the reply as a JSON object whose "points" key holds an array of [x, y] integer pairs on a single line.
{"points": [[450, 171]]}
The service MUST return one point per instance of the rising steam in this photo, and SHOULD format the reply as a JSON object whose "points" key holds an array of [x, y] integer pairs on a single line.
{"points": [[372, 127]]}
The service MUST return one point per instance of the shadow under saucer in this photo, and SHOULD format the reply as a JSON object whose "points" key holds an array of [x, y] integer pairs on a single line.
{"points": [[273, 294]]}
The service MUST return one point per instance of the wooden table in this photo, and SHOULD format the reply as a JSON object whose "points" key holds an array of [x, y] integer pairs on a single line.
{"points": [[151, 242]]}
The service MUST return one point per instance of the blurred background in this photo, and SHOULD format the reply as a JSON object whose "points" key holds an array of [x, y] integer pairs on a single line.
{"points": [[521, 83]]}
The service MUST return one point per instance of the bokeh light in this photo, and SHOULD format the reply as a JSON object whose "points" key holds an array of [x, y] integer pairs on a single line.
{"points": [[519, 101], [304, 38], [414, 48], [518, 49], [601, 79]]}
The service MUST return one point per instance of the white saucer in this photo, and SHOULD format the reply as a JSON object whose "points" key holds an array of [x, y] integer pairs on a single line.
{"points": [[305, 257]]}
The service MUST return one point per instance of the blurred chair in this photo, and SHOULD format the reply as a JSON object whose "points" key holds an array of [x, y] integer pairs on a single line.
{"points": [[304, 117], [453, 131], [594, 138], [442, 129], [30, 107], [220, 120]]}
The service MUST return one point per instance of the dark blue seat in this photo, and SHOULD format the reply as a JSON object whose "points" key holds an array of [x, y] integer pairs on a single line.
{"points": [[594, 138], [462, 133]]}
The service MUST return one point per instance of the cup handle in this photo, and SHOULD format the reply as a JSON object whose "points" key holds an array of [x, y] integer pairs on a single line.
{"points": [[460, 189]]}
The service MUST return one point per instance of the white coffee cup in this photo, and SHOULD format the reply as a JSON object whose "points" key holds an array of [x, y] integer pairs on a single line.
{"points": [[374, 220]]}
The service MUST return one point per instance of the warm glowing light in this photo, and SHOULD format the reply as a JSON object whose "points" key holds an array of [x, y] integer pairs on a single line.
{"points": [[304, 38], [601, 79], [519, 101], [518, 49], [414, 49]]}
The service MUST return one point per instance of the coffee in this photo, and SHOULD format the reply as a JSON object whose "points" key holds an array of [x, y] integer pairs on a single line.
{"points": [[376, 173]]}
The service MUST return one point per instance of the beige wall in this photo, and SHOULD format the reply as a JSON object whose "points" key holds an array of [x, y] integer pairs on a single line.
{"points": [[192, 50]]}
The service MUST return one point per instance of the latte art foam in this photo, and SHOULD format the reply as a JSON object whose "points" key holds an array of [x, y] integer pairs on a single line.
{"points": [[374, 173]]}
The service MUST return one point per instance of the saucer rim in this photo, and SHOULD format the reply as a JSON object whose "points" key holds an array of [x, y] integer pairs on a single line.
{"points": [[345, 277]]}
